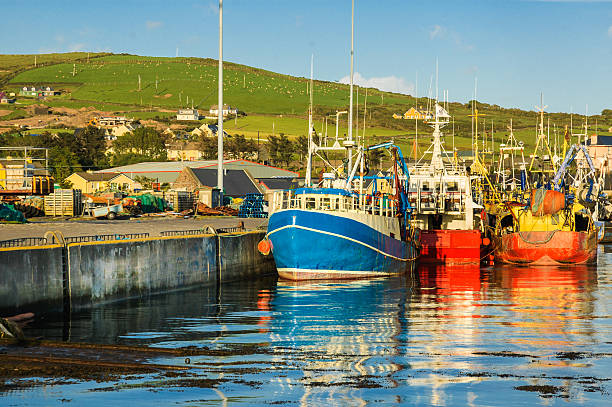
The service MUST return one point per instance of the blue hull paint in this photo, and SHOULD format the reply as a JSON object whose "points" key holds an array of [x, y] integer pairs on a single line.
{"points": [[309, 244]]}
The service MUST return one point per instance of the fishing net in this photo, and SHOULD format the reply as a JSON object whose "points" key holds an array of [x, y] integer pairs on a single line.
{"points": [[8, 213], [150, 203]]}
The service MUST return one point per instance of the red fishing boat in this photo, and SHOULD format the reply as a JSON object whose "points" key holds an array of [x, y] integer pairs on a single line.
{"points": [[440, 194], [547, 233], [453, 246]]}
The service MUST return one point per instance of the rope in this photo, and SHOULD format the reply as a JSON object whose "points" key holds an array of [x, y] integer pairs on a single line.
{"points": [[537, 242]]}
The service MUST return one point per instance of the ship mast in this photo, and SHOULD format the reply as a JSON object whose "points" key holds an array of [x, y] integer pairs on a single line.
{"points": [[309, 162], [350, 119]]}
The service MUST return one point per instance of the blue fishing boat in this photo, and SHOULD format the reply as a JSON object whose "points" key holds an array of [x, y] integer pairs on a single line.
{"points": [[337, 229]]}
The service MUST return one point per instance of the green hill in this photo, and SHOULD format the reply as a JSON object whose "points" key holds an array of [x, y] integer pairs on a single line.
{"points": [[273, 102]]}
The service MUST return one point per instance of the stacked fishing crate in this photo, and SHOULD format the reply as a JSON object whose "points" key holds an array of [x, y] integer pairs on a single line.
{"points": [[64, 202], [180, 200], [253, 207]]}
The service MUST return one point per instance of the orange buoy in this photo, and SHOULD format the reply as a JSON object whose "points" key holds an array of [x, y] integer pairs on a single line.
{"points": [[486, 241], [264, 247], [546, 202]]}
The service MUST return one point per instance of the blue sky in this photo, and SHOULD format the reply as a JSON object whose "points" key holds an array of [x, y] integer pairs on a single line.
{"points": [[516, 49]]}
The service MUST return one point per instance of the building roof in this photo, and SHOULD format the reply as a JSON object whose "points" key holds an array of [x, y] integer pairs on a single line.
{"points": [[93, 176], [216, 107], [169, 171], [279, 183], [183, 146], [213, 128], [601, 141], [235, 182], [188, 111]]}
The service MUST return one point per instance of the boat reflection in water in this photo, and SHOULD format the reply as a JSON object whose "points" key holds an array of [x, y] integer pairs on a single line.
{"points": [[442, 335], [349, 335]]}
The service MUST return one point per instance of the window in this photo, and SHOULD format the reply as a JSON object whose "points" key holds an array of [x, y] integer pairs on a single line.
{"points": [[310, 203]]}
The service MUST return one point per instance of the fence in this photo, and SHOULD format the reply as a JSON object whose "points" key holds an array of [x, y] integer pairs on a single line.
{"points": [[182, 232], [99, 238], [41, 241], [26, 241], [201, 231]]}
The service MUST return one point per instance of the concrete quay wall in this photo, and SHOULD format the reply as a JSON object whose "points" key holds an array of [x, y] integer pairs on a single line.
{"points": [[79, 275], [31, 277]]}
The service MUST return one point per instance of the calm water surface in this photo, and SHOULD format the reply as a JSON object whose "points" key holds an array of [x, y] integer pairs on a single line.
{"points": [[442, 337]]}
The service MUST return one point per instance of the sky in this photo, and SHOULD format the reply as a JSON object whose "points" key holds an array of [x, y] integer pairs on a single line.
{"points": [[506, 52]]}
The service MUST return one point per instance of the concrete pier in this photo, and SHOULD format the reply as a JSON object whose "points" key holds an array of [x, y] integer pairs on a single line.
{"points": [[79, 275]]}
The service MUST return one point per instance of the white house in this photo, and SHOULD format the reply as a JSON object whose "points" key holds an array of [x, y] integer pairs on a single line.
{"points": [[227, 110], [188, 114]]}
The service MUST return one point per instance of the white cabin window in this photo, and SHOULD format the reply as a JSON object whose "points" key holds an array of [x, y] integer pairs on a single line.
{"points": [[311, 203]]}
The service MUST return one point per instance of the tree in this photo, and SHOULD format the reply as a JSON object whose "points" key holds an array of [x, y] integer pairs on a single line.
{"points": [[301, 147], [240, 147], [273, 148], [143, 141], [208, 147], [375, 158], [90, 146], [285, 149]]}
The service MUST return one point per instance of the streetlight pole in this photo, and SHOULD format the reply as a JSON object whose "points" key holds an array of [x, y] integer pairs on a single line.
{"points": [[220, 108]]}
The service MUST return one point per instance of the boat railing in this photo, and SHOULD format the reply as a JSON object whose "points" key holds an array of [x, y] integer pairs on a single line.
{"points": [[424, 201], [382, 205]]}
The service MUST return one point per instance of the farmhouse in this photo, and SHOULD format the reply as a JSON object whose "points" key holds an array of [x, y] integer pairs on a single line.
{"points": [[4, 99], [112, 133], [89, 182], [188, 114], [208, 130], [110, 121], [227, 110], [183, 151], [38, 92]]}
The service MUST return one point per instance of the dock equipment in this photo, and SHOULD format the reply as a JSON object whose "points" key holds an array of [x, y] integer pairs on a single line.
{"points": [[24, 171], [252, 207]]}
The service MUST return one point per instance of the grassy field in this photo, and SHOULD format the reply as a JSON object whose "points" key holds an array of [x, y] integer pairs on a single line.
{"points": [[274, 103], [183, 82]]}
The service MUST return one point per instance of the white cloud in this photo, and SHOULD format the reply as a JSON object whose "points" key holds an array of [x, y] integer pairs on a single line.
{"points": [[437, 31], [610, 31], [387, 83], [442, 33], [152, 25]]}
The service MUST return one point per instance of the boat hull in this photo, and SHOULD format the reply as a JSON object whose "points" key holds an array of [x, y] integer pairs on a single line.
{"points": [[451, 247], [309, 245], [547, 248]]}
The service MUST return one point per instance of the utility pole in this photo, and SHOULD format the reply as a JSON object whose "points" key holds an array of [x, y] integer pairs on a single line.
{"points": [[220, 108]]}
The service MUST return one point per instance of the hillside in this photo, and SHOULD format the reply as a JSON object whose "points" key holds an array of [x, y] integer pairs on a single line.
{"points": [[146, 87]]}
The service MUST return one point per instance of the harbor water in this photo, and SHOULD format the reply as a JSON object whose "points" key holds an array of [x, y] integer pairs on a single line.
{"points": [[439, 336]]}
